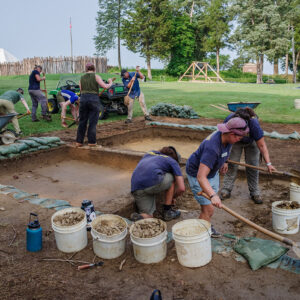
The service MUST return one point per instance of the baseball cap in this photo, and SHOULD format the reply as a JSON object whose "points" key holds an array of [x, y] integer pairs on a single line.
{"points": [[236, 125], [123, 72], [177, 153]]}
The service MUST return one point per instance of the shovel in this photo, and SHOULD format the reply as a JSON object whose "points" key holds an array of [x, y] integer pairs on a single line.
{"points": [[295, 177], [296, 246], [127, 98]]}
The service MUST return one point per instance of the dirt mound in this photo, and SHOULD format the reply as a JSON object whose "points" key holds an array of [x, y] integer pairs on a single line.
{"points": [[110, 227], [69, 218], [148, 229], [289, 205]]}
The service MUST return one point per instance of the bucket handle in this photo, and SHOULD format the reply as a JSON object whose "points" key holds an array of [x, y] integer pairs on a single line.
{"points": [[206, 229], [96, 238]]}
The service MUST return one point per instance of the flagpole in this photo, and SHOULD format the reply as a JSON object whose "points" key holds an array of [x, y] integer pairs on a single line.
{"points": [[71, 44]]}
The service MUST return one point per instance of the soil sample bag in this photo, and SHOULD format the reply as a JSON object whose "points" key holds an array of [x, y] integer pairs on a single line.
{"points": [[259, 252]]}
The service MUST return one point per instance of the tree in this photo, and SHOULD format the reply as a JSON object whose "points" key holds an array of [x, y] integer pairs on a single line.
{"points": [[216, 19], [109, 19], [147, 30], [257, 28], [224, 61]]}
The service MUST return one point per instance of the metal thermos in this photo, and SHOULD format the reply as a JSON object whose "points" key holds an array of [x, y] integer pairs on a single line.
{"points": [[34, 238], [89, 209]]}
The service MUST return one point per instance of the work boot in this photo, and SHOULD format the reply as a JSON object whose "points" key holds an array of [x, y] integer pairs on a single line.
{"points": [[47, 118], [171, 214], [147, 118], [135, 217], [215, 233], [35, 120], [257, 199], [128, 121], [64, 124], [225, 194]]}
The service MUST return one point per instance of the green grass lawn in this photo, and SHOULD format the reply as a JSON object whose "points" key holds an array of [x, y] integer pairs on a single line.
{"points": [[277, 101]]}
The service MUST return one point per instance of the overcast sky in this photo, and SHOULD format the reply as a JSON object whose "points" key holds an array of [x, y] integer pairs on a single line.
{"points": [[41, 28]]}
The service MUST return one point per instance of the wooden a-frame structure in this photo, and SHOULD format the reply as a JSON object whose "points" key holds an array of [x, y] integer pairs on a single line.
{"points": [[197, 71]]}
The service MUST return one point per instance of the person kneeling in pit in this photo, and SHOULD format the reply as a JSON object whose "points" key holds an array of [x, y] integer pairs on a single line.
{"points": [[157, 171], [66, 98]]}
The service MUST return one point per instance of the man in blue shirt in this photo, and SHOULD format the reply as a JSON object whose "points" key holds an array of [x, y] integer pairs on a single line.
{"points": [[157, 171], [131, 79], [37, 96], [66, 98], [252, 145], [203, 165]]}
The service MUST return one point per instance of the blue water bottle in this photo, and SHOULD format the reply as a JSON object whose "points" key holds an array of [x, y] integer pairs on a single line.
{"points": [[34, 234]]}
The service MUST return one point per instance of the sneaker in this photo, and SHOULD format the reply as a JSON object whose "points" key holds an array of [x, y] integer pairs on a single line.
{"points": [[225, 195], [215, 233], [64, 124], [257, 199], [147, 118], [47, 118], [128, 121], [171, 214], [135, 217], [35, 120]]}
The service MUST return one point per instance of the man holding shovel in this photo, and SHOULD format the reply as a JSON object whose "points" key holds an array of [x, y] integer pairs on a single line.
{"points": [[37, 95], [7, 102], [130, 81]]}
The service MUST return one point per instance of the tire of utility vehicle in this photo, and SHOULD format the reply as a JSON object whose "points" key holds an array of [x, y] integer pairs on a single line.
{"points": [[122, 109], [53, 107], [102, 113]]}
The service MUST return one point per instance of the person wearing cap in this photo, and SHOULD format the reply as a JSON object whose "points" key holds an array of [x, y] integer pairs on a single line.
{"points": [[7, 105], [68, 98], [37, 96], [204, 164], [89, 108], [252, 145], [131, 79], [157, 171]]}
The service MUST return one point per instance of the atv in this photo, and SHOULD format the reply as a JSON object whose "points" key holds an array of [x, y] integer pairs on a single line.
{"points": [[111, 100]]}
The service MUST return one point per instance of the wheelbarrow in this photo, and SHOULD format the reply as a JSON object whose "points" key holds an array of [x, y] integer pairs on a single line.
{"points": [[7, 136], [233, 106]]}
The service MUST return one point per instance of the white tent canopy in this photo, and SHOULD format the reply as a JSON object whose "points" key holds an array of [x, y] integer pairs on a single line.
{"points": [[5, 56]]}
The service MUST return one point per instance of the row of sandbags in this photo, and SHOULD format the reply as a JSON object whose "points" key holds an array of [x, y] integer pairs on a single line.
{"points": [[172, 110], [30, 144]]}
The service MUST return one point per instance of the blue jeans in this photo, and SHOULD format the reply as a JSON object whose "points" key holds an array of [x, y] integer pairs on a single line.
{"points": [[89, 109], [196, 188]]}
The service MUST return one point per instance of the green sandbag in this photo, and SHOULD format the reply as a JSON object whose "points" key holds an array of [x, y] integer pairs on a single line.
{"points": [[38, 140], [2, 157], [51, 139], [12, 155], [5, 150], [259, 252], [43, 147], [33, 149], [30, 143], [21, 147]]}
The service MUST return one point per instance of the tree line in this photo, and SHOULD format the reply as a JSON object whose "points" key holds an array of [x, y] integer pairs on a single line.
{"points": [[178, 32]]}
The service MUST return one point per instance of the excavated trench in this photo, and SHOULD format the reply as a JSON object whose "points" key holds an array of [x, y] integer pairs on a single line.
{"points": [[103, 174]]}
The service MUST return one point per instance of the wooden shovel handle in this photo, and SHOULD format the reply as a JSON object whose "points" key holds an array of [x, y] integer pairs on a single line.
{"points": [[250, 223], [262, 169], [132, 79], [113, 79], [82, 267]]}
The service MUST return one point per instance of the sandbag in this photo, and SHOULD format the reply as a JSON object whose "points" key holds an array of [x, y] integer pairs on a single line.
{"points": [[30, 143], [38, 140], [7, 149], [43, 147], [51, 139], [259, 252]]}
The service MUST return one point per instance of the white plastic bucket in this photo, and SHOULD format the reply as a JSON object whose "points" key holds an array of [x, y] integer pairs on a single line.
{"points": [[285, 221], [192, 242], [149, 250], [70, 238], [297, 103], [108, 246], [294, 192]]}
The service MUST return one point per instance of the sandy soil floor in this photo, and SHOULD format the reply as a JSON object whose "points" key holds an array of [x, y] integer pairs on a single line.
{"points": [[25, 275]]}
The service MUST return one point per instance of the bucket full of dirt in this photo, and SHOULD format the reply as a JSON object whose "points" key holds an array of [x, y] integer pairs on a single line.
{"points": [[109, 233], [294, 192], [192, 242], [285, 216], [69, 227], [148, 237]]}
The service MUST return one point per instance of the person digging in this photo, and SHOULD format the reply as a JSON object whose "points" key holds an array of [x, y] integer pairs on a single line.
{"points": [[204, 165], [130, 81], [7, 106], [156, 172]]}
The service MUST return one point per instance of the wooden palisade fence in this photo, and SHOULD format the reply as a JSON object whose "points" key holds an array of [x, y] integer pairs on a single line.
{"points": [[53, 65]]}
